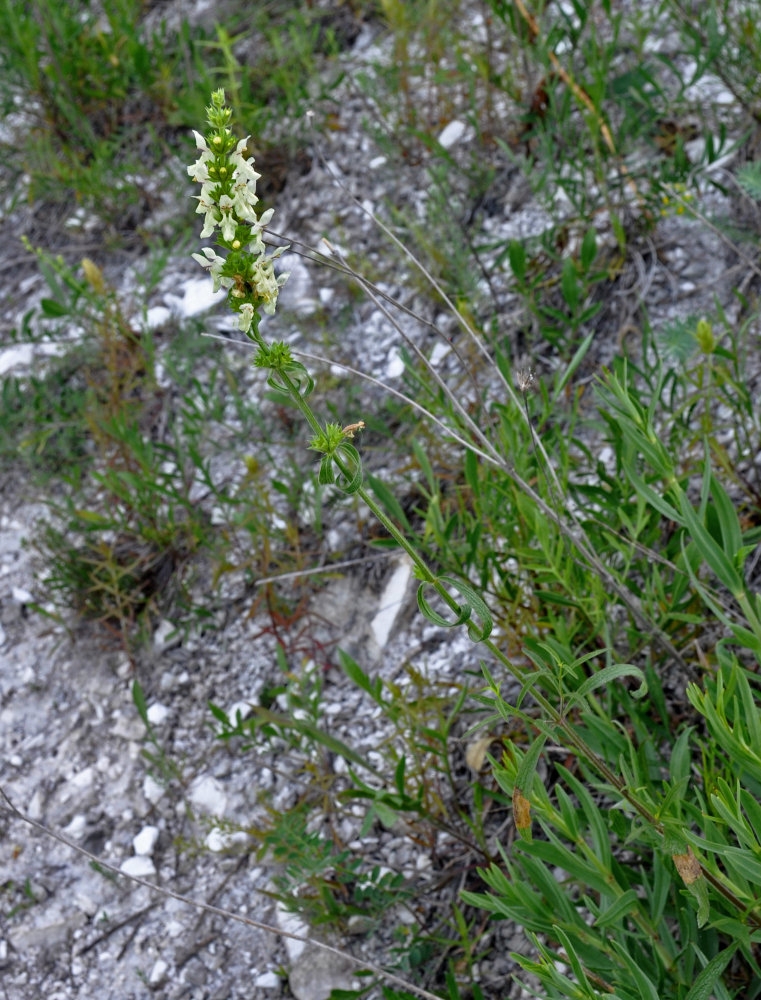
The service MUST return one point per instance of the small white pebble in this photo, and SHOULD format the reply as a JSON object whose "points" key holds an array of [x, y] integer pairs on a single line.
{"points": [[138, 866], [158, 971], [268, 981], [451, 134], [145, 841], [157, 713]]}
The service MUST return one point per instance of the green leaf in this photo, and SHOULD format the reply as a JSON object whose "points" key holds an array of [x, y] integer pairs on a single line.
{"points": [[749, 178], [424, 464], [219, 714], [399, 774], [471, 470], [473, 604], [517, 257], [743, 862], [588, 249], [525, 777], [355, 673], [646, 987], [655, 500], [569, 284], [728, 520], [613, 914], [572, 957], [681, 758], [140, 703], [433, 616], [703, 986], [720, 563], [350, 482], [385, 814], [309, 729], [609, 674], [326, 476], [699, 890], [53, 309], [554, 853], [572, 366]]}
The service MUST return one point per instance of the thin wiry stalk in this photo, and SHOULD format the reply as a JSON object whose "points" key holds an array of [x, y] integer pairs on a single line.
{"points": [[578, 538], [473, 426]]}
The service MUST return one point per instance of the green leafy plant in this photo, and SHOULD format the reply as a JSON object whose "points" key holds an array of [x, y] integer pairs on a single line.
{"points": [[574, 685]]}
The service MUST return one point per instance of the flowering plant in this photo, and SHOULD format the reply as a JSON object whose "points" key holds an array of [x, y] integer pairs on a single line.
{"points": [[227, 202]]}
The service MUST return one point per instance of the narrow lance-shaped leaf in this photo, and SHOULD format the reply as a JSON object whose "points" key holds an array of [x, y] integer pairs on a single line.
{"points": [[523, 782]]}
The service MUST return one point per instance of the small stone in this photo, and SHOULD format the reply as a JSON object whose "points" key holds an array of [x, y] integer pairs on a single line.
{"points": [[158, 972], [83, 779], [359, 923], [138, 866], [207, 794], [157, 316], [452, 133], [166, 636], [86, 904], [145, 841], [317, 973], [244, 707], [157, 713], [291, 923], [152, 790], [395, 366], [76, 827], [225, 840], [268, 981]]}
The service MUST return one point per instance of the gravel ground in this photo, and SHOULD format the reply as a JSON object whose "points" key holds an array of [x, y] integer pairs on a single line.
{"points": [[71, 743]]}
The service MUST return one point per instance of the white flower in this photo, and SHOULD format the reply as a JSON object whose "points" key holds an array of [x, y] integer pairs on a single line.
{"points": [[209, 209], [255, 242], [244, 167], [266, 284], [213, 262], [228, 222], [199, 170], [244, 200], [245, 317]]}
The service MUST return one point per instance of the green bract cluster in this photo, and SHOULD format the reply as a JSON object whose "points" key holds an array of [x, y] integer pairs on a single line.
{"points": [[227, 202]]}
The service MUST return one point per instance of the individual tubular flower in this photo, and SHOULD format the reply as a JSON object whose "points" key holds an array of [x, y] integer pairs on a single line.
{"points": [[228, 202], [245, 317], [266, 284], [214, 263]]}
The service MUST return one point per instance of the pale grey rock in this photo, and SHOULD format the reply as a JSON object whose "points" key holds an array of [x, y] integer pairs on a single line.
{"points": [[45, 936], [316, 973], [207, 795]]}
